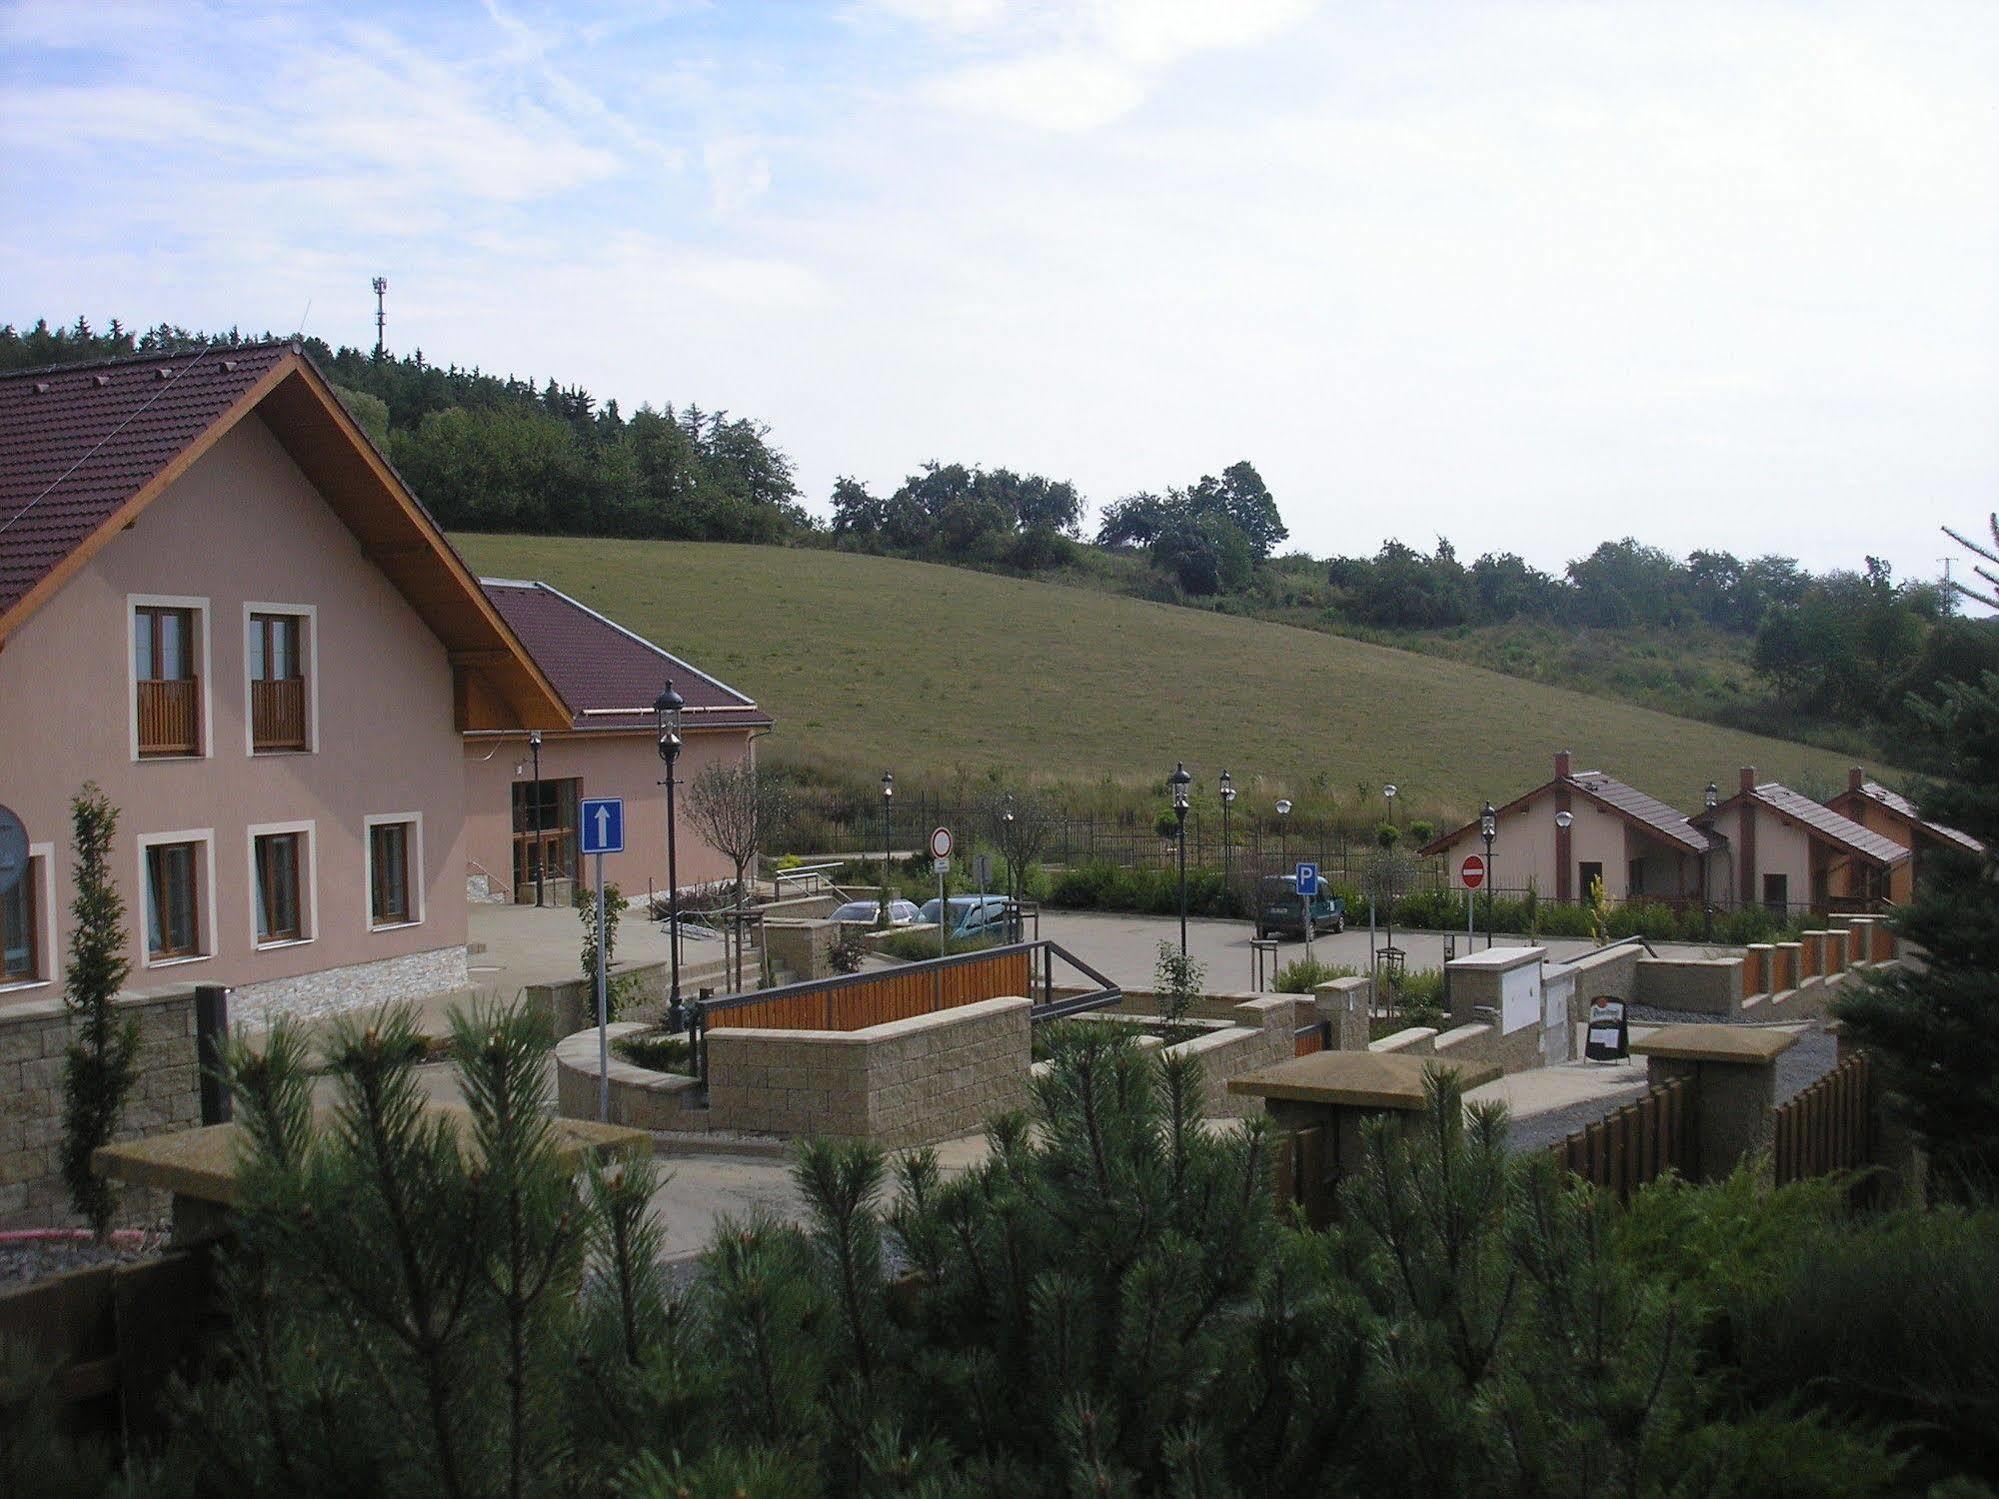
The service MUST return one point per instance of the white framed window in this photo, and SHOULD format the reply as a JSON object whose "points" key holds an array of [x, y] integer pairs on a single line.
{"points": [[284, 884], [280, 678], [394, 894], [167, 670], [177, 896], [28, 924]]}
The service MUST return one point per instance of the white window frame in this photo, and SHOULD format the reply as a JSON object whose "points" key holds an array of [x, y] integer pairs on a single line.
{"points": [[41, 869], [308, 878], [416, 870], [134, 602], [309, 648], [204, 918]]}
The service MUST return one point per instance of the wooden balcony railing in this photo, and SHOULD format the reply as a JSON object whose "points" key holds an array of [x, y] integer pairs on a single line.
{"points": [[277, 714], [170, 717]]}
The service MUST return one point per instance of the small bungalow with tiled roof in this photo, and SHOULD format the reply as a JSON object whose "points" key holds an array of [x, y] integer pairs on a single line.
{"points": [[1895, 817], [522, 792], [1790, 853], [220, 603], [1638, 846]]}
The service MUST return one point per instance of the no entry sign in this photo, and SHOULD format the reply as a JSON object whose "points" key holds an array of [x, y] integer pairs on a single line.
{"points": [[940, 843], [1472, 872]]}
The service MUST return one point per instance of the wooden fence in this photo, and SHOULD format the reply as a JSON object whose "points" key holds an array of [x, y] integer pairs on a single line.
{"points": [[109, 1337], [1637, 1144], [837, 1005], [1828, 1127]]}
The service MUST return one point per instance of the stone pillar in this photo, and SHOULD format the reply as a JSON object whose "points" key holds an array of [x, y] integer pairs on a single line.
{"points": [[1784, 971], [1734, 1076], [1812, 957], [1343, 1004], [1884, 942], [1756, 969], [1835, 952]]}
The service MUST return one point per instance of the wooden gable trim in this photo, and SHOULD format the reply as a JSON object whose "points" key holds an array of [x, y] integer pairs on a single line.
{"points": [[57, 578]]}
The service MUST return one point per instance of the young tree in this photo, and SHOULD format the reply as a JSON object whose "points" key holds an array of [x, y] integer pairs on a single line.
{"points": [[1019, 825], [735, 807], [99, 1063]]}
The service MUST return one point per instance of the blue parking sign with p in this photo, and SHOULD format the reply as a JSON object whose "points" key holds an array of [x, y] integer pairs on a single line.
{"points": [[1308, 879], [603, 824]]}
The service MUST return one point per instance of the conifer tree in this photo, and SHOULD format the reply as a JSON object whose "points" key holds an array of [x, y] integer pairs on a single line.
{"points": [[99, 1063]]}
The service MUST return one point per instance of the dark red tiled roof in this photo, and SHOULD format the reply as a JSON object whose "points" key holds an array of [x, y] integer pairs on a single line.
{"points": [[1894, 801], [1628, 802], [608, 675], [77, 442], [1828, 824]]}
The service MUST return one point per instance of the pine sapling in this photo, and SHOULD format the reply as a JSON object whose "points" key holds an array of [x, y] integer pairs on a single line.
{"points": [[99, 1065]]}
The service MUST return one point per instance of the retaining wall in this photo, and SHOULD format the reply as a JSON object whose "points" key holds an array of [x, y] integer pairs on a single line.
{"points": [[1705, 986], [906, 1082], [640, 1097], [165, 1097]]}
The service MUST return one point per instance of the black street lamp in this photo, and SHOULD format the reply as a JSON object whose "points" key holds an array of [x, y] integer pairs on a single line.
{"points": [[888, 798], [1180, 781], [540, 848], [1710, 799], [666, 722], [1283, 830], [1012, 865], [1488, 829], [1228, 854]]}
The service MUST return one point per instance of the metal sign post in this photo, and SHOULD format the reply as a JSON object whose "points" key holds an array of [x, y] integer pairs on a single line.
{"points": [[1471, 874], [602, 831], [940, 861]]}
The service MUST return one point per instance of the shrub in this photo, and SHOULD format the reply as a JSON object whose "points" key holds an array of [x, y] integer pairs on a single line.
{"points": [[1420, 997], [914, 947], [99, 1065], [1177, 982], [657, 1051], [1303, 975]]}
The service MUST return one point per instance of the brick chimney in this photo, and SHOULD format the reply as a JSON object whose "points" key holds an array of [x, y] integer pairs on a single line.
{"points": [[1856, 778], [1564, 764], [1748, 778]]}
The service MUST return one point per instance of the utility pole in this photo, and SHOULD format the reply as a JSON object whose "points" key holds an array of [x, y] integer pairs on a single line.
{"points": [[1949, 589], [381, 313]]}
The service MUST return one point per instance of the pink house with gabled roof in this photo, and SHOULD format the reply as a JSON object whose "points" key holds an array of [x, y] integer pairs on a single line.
{"points": [[522, 790], [220, 604]]}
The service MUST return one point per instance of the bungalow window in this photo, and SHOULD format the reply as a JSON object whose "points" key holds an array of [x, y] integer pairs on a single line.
{"points": [[173, 915], [20, 929], [168, 686], [277, 682], [1590, 872], [279, 917], [391, 888]]}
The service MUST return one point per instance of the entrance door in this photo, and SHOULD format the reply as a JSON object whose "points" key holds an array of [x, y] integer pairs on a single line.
{"points": [[544, 834], [1587, 875]]}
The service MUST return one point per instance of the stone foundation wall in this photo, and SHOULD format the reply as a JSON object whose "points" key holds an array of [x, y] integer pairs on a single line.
{"points": [[1611, 973], [1484, 1043], [166, 1096], [1706, 986], [358, 986], [802, 948], [931, 1077]]}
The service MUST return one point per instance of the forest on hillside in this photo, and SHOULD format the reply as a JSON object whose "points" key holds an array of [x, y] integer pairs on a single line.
{"points": [[1758, 642]]}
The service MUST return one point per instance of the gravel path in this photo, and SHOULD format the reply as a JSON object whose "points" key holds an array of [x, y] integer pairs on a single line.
{"points": [[1797, 1069], [21, 1263]]}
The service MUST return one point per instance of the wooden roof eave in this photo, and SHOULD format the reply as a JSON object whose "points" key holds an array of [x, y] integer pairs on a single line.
{"points": [[499, 684]]}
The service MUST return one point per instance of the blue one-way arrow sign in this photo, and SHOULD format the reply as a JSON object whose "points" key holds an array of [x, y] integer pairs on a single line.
{"points": [[603, 819]]}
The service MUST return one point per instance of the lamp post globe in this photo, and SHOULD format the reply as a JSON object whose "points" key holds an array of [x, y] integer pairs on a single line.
{"points": [[1283, 829], [888, 846], [1488, 829], [1388, 791], [666, 711], [1228, 853], [1710, 799], [540, 847], [1180, 781]]}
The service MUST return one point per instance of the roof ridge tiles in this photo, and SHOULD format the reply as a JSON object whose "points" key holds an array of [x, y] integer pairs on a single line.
{"points": [[151, 356]]}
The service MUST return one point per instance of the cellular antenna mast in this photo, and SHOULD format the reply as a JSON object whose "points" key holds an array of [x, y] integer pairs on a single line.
{"points": [[381, 313]]}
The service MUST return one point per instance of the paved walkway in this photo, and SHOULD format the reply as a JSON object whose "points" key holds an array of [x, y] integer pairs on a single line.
{"points": [[530, 945]]}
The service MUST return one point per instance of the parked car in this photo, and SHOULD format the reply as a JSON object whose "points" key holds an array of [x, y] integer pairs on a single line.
{"points": [[972, 915], [862, 912], [1280, 911]]}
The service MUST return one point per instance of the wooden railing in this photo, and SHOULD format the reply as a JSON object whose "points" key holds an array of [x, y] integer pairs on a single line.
{"points": [[881, 997], [1828, 1127], [277, 714], [170, 717], [1637, 1144]]}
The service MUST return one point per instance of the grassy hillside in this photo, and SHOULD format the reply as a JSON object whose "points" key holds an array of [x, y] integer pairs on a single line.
{"points": [[870, 662]]}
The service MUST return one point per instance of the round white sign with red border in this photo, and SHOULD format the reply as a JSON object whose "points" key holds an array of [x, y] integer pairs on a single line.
{"points": [[1472, 871], [940, 843]]}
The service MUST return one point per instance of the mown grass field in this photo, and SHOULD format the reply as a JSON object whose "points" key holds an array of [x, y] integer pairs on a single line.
{"points": [[933, 671]]}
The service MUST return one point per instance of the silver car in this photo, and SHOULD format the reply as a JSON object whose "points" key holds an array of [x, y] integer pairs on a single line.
{"points": [[862, 912]]}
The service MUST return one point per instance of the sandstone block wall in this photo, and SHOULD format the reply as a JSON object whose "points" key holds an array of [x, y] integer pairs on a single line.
{"points": [[640, 1098], [1609, 973], [1263, 1035], [166, 1096], [803, 948], [931, 1077]]}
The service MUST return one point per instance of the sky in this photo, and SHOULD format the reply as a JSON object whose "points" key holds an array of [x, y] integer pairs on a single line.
{"points": [[1523, 275]]}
